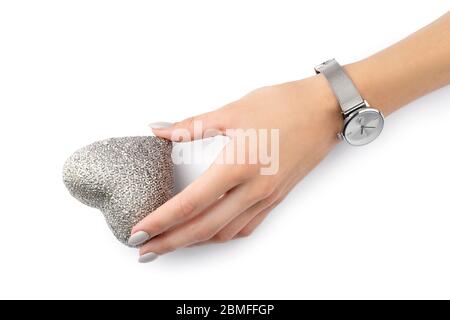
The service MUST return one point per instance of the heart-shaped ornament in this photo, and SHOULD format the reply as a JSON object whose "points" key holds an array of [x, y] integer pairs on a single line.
{"points": [[126, 178]]}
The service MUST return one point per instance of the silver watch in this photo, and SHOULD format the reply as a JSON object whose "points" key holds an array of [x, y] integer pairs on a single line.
{"points": [[362, 123]]}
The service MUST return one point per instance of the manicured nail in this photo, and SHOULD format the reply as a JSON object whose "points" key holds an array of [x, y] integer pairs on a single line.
{"points": [[160, 125], [138, 238], [148, 257]]}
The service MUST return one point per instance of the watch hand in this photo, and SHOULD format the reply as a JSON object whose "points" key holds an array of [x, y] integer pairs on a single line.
{"points": [[369, 127]]}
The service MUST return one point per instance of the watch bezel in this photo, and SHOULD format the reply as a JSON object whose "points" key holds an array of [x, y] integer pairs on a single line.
{"points": [[354, 114]]}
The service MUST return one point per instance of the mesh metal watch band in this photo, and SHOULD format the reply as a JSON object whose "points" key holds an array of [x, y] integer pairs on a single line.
{"points": [[343, 87]]}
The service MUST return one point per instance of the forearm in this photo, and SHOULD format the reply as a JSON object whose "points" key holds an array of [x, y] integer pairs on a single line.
{"points": [[407, 70]]}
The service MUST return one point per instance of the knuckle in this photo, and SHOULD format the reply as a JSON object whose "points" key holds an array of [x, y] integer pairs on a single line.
{"points": [[257, 91], [202, 234], [189, 124], [244, 172], [186, 206], [277, 201], [265, 189], [223, 236], [274, 199], [246, 232], [155, 226], [186, 123], [238, 173], [278, 198]]}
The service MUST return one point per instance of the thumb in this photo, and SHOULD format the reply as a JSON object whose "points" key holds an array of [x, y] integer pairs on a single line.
{"points": [[199, 127]]}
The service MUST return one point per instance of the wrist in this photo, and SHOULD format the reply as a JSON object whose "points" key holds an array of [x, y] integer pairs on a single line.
{"points": [[371, 84], [327, 107], [362, 123]]}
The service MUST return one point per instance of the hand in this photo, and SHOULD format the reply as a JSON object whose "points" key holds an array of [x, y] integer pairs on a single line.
{"points": [[230, 200]]}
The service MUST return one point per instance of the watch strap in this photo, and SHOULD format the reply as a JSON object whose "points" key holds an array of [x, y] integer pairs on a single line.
{"points": [[343, 87]]}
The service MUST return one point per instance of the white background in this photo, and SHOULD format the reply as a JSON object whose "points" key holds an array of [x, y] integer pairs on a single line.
{"points": [[368, 222]]}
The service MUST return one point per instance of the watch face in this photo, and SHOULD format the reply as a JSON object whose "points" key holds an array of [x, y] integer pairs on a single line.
{"points": [[363, 126]]}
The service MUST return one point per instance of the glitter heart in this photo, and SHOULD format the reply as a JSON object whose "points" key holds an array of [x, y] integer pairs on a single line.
{"points": [[126, 178]]}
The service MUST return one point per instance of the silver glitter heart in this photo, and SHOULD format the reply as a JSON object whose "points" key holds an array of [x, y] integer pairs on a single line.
{"points": [[126, 178]]}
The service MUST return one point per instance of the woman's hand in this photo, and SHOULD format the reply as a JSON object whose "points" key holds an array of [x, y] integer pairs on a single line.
{"points": [[231, 199]]}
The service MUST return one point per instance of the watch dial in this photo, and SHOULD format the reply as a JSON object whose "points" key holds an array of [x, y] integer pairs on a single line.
{"points": [[363, 127]]}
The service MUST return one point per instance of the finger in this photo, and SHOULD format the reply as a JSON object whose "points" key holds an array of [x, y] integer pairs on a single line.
{"points": [[199, 127], [196, 197], [206, 225], [232, 229], [254, 223]]}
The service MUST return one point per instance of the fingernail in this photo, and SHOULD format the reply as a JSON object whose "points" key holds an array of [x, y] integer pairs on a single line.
{"points": [[138, 238], [160, 125], [148, 257]]}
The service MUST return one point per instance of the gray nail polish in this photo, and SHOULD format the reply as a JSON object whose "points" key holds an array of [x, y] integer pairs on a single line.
{"points": [[160, 125], [148, 257], [138, 238]]}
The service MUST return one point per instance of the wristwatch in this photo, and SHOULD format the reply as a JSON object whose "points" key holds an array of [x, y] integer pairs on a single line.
{"points": [[362, 123]]}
